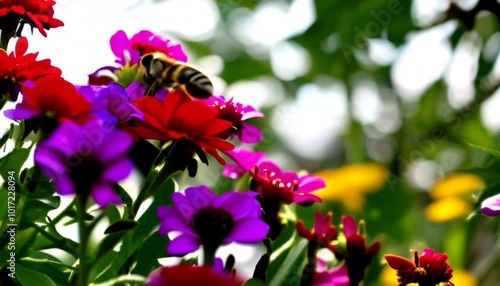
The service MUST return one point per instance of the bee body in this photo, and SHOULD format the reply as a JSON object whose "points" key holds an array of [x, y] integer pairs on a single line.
{"points": [[162, 71]]}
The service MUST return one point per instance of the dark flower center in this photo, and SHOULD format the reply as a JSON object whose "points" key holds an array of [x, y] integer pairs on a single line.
{"points": [[86, 173], [213, 225], [230, 113]]}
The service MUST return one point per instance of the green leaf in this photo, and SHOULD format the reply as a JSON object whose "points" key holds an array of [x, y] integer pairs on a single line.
{"points": [[148, 256], [30, 276], [14, 161], [48, 265], [124, 196], [290, 264], [36, 210], [486, 149], [122, 225], [254, 282]]}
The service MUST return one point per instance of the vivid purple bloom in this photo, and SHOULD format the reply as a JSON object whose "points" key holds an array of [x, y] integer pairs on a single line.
{"points": [[111, 103], [86, 160], [211, 221], [237, 113], [491, 206], [330, 277]]}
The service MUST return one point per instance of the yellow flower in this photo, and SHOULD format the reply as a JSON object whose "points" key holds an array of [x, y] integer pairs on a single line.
{"points": [[447, 209], [450, 194], [457, 184], [350, 183]]}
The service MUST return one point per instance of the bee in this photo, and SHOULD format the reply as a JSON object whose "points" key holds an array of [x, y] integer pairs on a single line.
{"points": [[161, 71]]}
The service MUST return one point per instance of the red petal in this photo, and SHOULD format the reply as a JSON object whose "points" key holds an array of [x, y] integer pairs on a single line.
{"points": [[21, 47], [399, 263]]}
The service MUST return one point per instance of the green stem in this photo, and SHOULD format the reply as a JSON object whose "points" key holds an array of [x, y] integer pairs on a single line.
{"points": [[208, 255], [84, 266], [4, 41], [63, 213]]}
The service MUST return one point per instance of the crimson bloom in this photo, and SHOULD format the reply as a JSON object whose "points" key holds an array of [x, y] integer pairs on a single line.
{"points": [[429, 269], [323, 232], [356, 254], [191, 275], [237, 113], [37, 13], [178, 118], [51, 100], [18, 68]]}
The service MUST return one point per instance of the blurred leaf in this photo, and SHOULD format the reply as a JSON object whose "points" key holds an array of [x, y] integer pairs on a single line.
{"points": [[30, 276], [14, 161], [254, 282], [148, 256], [48, 265], [36, 210], [124, 196], [486, 149]]}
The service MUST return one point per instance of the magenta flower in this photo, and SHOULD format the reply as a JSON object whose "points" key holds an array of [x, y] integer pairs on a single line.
{"points": [[491, 206], [86, 160], [128, 52], [237, 113], [272, 183], [211, 221], [330, 277]]}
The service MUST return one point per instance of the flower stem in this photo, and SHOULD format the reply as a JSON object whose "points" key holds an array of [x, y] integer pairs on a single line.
{"points": [[4, 41], [84, 266], [208, 255]]}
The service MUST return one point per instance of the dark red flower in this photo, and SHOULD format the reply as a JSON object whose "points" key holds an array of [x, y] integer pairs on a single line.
{"points": [[323, 232], [18, 67], [37, 13], [190, 275], [429, 269], [179, 118], [51, 98], [355, 252]]}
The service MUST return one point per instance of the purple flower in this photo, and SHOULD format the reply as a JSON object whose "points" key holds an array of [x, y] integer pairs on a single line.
{"points": [[111, 103], [491, 206], [86, 160], [237, 113], [245, 161], [211, 221]]}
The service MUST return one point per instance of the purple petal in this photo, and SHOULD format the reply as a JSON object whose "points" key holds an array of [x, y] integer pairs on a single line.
{"points": [[250, 134], [250, 112], [20, 112], [165, 211], [175, 223], [183, 206], [183, 245], [491, 206], [270, 167], [64, 185], [120, 45], [237, 204], [49, 161], [114, 145], [349, 225], [103, 195], [245, 158], [337, 276], [252, 230], [201, 196], [118, 170]]}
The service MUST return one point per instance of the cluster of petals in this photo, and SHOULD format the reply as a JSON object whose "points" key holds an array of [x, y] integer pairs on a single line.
{"points": [[86, 160], [179, 118], [272, 183], [37, 13], [323, 232], [237, 113], [205, 219], [19, 68], [430, 268], [187, 274]]}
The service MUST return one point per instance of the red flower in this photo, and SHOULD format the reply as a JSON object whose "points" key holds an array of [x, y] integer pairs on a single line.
{"points": [[322, 233], [189, 275], [356, 253], [19, 67], [180, 118], [37, 13], [51, 98], [429, 269]]}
